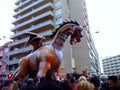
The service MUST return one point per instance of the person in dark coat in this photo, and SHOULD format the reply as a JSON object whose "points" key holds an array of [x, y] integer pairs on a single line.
{"points": [[104, 86], [49, 82], [113, 83], [30, 85], [8, 85], [96, 82], [65, 84]]}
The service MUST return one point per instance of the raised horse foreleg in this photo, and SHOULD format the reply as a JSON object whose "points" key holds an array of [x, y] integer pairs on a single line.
{"points": [[43, 67]]}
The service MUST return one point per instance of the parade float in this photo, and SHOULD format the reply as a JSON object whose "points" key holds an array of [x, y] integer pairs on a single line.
{"points": [[48, 56]]}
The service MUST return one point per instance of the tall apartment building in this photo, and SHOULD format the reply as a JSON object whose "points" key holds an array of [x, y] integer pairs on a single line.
{"points": [[111, 65], [4, 58], [41, 17]]}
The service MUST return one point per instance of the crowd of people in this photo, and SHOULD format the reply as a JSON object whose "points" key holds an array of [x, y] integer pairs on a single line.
{"points": [[51, 82]]}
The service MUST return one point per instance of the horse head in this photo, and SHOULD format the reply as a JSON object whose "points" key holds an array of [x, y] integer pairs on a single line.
{"points": [[76, 34]]}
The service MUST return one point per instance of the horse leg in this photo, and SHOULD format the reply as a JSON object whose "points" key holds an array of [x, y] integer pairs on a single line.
{"points": [[43, 67], [58, 71], [23, 68]]}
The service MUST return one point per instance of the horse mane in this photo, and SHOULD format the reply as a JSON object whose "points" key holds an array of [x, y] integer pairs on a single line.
{"points": [[61, 25]]}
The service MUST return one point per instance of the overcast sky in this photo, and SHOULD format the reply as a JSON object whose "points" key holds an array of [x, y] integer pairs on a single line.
{"points": [[6, 13], [103, 15]]}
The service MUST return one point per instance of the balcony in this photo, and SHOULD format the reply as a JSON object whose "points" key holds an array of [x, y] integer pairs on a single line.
{"points": [[34, 12], [17, 2], [23, 4], [45, 33], [15, 61], [48, 23], [21, 50], [22, 11], [40, 18], [16, 42]]}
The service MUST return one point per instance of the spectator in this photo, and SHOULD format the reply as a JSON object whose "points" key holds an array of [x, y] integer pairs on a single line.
{"points": [[8, 85], [96, 82], [72, 81], [42, 79], [49, 83], [30, 85], [104, 86], [1, 83], [84, 85], [118, 78], [82, 78], [65, 84], [113, 83], [103, 78], [36, 81], [15, 84], [23, 85]]}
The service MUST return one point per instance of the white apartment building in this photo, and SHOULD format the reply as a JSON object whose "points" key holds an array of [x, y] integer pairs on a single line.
{"points": [[111, 65]]}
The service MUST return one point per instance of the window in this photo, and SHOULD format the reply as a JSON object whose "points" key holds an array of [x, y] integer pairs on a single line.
{"points": [[58, 20], [58, 11]]}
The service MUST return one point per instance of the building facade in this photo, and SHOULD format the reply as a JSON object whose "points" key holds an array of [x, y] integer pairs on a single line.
{"points": [[41, 17], [4, 58], [111, 65]]}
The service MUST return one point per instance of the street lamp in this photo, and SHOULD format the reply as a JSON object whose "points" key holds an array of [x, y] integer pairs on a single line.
{"points": [[96, 32]]}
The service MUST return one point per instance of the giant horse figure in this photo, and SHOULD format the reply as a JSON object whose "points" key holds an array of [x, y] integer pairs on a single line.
{"points": [[48, 56]]}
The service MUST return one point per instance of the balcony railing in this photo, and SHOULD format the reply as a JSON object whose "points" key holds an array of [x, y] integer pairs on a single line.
{"points": [[34, 27], [18, 42], [21, 50], [23, 3], [48, 5], [30, 21], [26, 8], [13, 62]]}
